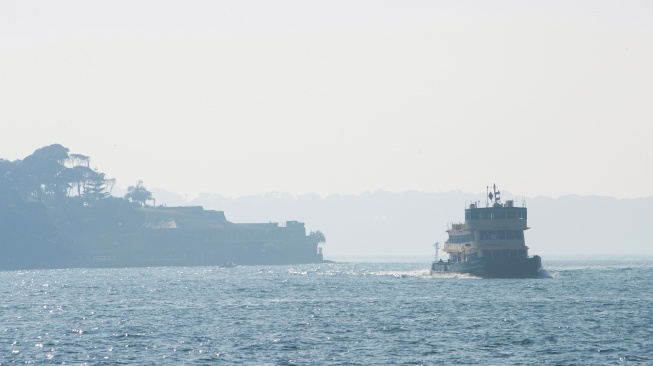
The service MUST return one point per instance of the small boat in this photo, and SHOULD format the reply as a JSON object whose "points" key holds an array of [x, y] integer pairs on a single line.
{"points": [[228, 264], [489, 243]]}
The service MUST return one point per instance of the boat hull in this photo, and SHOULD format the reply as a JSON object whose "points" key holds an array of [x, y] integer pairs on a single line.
{"points": [[493, 268]]}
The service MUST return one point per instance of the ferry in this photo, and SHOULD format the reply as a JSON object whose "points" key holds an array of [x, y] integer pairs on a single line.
{"points": [[490, 242]]}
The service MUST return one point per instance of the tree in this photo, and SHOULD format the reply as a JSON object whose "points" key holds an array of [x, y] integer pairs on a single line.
{"points": [[89, 184], [78, 160], [97, 187], [77, 177], [47, 172], [138, 194]]}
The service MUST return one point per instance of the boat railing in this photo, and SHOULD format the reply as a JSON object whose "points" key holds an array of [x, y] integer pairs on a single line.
{"points": [[454, 247], [455, 226]]}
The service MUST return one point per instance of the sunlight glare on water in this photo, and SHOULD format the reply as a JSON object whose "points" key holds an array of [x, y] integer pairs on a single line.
{"points": [[587, 313]]}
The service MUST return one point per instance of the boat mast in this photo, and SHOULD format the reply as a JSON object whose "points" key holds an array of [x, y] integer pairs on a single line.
{"points": [[437, 248], [493, 196], [497, 195]]}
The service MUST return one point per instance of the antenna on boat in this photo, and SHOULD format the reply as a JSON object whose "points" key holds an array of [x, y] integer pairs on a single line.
{"points": [[495, 196], [437, 248]]}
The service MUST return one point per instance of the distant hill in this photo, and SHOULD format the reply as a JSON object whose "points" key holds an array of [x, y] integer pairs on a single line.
{"points": [[409, 223]]}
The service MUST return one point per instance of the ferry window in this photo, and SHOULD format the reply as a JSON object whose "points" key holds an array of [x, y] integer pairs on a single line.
{"points": [[510, 235], [519, 234], [475, 215], [483, 235], [501, 234], [486, 215], [493, 235], [460, 238], [497, 214], [511, 214]]}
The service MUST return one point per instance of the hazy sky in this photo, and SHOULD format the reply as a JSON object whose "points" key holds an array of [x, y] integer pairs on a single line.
{"points": [[246, 97]]}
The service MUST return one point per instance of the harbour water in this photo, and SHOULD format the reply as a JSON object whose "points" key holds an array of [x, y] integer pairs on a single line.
{"points": [[583, 312]]}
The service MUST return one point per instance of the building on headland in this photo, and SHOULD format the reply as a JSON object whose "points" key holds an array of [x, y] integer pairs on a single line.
{"points": [[192, 236]]}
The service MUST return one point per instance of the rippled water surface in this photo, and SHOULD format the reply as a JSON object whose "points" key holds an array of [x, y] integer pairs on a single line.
{"points": [[585, 313]]}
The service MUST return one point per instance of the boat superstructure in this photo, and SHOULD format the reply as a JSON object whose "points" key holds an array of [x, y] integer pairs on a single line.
{"points": [[490, 242]]}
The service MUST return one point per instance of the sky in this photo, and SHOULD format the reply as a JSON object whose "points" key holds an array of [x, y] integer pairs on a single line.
{"points": [[336, 97]]}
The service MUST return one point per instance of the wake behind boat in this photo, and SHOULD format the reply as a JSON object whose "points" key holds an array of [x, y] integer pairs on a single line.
{"points": [[490, 243]]}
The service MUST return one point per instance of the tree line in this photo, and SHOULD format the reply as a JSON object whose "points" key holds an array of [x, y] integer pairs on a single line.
{"points": [[52, 202], [54, 177]]}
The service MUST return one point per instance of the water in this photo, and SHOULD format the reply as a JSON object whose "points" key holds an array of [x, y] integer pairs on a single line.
{"points": [[588, 312]]}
